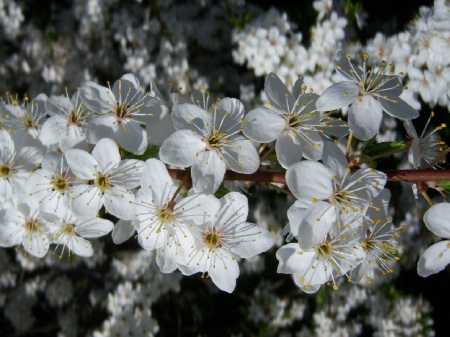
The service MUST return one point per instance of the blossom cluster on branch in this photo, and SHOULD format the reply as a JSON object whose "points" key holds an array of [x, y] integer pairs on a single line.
{"points": [[174, 172]]}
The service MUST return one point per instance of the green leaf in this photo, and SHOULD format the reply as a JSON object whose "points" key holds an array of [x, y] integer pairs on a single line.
{"points": [[445, 184], [222, 191], [149, 153], [382, 148]]}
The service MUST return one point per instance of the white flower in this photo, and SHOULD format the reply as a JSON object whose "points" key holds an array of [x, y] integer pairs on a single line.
{"points": [[67, 124], [369, 91], [436, 257], [25, 120], [164, 219], [209, 141], [111, 180], [220, 241], [326, 190], [70, 231], [121, 110], [15, 166], [324, 254], [24, 226], [292, 121], [378, 239], [426, 148], [52, 185]]}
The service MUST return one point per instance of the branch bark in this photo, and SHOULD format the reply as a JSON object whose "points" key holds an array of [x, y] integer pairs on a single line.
{"points": [[410, 176]]}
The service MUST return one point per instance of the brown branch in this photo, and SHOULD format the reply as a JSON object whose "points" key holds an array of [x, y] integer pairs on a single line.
{"points": [[411, 176]]}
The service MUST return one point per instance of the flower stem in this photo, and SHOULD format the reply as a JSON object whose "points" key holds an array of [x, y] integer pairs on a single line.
{"points": [[281, 190], [427, 198], [186, 178], [267, 154], [349, 143], [261, 149]]}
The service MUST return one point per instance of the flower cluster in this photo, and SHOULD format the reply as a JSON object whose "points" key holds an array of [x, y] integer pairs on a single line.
{"points": [[173, 173]]}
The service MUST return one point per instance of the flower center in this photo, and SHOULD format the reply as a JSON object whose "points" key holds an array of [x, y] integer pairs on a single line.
{"points": [[67, 229], [32, 226], [164, 214], [60, 184], [120, 110], [324, 251], [213, 240], [5, 171], [102, 183], [28, 122]]}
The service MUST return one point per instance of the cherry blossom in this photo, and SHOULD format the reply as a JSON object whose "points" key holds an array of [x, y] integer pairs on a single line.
{"points": [[220, 241], [369, 91], [436, 257], [107, 180], [210, 142]]}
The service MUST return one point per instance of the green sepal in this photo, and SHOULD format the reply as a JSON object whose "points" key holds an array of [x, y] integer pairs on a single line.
{"points": [[380, 149], [222, 191], [445, 184], [149, 153]]}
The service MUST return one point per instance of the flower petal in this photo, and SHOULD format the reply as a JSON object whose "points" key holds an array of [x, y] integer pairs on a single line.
{"points": [[434, 259], [310, 180], [263, 125], [337, 96], [364, 117], [437, 220], [207, 172], [180, 149]]}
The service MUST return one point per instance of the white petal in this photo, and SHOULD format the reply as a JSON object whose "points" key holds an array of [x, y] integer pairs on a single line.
{"points": [[317, 222], [293, 259], [107, 154], [295, 215], [434, 259], [132, 137], [158, 132], [367, 183], [289, 149], [77, 245], [263, 125], [102, 126], [36, 244], [53, 130], [364, 117], [224, 272], [398, 108], [230, 119], [337, 96], [308, 180], [312, 148], [335, 160], [82, 164], [10, 223], [191, 117], [250, 239], [123, 230], [437, 220], [94, 227], [128, 173], [180, 149], [156, 180], [207, 172], [7, 146], [240, 155], [278, 94], [119, 203], [196, 209], [96, 98], [86, 200]]}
